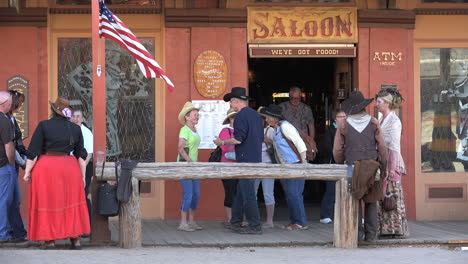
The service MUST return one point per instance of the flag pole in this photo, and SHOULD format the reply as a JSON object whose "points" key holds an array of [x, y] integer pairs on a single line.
{"points": [[99, 229]]}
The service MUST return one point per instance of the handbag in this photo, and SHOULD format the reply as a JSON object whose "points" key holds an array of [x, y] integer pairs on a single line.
{"points": [[108, 205], [389, 202], [124, 186], [215, 156]]}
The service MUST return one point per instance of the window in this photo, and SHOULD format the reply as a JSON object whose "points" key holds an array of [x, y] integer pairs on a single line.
{"points": [[444, 109], [445, 1], [303, 1], [121, 2], [129, 96]]}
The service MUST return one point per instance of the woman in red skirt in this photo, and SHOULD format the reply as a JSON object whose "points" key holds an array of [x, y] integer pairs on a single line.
{"points": [[57, 204]]}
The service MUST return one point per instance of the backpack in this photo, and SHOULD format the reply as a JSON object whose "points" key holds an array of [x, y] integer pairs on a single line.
{"points": [[310, 152], [215, 156]]}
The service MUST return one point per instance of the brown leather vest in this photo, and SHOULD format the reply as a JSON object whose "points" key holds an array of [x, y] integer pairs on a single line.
{"points": [[360, 146]]}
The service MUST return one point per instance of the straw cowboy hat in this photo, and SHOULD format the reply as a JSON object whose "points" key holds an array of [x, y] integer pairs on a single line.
{"points": [[236, 92], [188, 106], [355, 103], [230, 113], [272, 110], [62, 107]]}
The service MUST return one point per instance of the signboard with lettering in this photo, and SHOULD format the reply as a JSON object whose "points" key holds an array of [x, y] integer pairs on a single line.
{"points": [[318, 52], [21, 84], [387, 58], [302, 24], [210, 74]]}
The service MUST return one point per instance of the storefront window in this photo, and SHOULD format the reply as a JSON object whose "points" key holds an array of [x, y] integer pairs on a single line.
{"points": [[120, 2], [446, 1], [444, 110], [304, 1], [129, 96]]}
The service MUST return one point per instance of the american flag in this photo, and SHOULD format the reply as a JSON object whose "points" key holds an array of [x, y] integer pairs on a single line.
{"points": [[111, 27]]}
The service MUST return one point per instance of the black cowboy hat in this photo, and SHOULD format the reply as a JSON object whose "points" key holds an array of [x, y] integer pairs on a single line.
{"points": [[272, 110], [236, 92], [355, 103]]}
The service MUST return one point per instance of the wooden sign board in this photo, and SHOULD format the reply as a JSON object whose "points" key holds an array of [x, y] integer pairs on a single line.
{"points": [[21, 84], [210, 74], [315, 52], [302, 24]]}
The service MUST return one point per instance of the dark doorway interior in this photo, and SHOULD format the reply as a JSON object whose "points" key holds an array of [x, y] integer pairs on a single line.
{"points": [[324, 81]]}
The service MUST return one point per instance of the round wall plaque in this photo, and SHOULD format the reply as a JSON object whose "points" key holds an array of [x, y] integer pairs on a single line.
{"points": [[210, 73]]}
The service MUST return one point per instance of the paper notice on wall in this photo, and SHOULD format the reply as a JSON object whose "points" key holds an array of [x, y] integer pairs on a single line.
{"points": [[212, 114]]}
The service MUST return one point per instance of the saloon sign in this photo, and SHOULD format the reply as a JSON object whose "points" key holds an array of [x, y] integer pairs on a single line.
{"points": [[302, 24]]}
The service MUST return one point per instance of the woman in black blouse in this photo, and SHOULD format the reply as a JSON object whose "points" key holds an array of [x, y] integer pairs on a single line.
{"points": [[57, 205]]}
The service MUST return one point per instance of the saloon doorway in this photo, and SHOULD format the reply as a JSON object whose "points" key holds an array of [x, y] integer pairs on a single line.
{"points": [[325, 83]]}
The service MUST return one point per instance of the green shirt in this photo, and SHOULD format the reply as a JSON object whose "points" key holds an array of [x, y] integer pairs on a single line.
{"points": [[192, 142]]}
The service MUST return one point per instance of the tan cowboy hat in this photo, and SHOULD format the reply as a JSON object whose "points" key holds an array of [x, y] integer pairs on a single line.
{"points": [[230, 113], [62, 107], [188, 106]]}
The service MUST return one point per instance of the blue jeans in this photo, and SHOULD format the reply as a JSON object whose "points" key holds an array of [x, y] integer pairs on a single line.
{"points": [[328, 200], [268, 186], [295, 199], [11, 225], [190, 194], [245, 202]]}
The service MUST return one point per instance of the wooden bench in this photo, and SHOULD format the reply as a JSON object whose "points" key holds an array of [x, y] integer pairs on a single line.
{"points": [[345, 221]]}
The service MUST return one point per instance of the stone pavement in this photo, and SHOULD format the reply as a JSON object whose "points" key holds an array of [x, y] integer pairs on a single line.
{"points": [[257, 255]]}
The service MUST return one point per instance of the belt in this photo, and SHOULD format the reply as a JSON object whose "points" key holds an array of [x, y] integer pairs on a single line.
{"points": [[55, 153]]}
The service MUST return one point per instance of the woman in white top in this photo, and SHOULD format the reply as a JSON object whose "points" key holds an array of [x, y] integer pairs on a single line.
{"points": [[268, 185], [392, 223]]}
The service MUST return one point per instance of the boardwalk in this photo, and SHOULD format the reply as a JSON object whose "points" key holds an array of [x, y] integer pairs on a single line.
{"points": [[164, 233]]}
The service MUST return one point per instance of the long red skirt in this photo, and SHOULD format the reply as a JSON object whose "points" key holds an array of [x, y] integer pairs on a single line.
{"points": [[57, 204]]}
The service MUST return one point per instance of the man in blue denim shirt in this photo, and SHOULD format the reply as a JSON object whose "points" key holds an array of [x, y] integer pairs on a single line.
{"points": [[248, 138], [11, 225]]}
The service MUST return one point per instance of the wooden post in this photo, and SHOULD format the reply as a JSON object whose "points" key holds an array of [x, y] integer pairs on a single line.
{"points": [[130, 220], [345, 233], [100, 225]]}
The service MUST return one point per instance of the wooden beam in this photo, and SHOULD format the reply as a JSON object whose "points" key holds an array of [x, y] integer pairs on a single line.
{"points": [[386, 18], [36, 16], [205, 17], [210, 170]]}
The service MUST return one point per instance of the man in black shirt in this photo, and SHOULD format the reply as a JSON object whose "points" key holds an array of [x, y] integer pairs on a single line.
{"points": [[248, 138], [11, 225]]}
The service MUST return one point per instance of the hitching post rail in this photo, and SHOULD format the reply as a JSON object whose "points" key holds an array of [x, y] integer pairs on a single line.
{"points": [[345, 222]]}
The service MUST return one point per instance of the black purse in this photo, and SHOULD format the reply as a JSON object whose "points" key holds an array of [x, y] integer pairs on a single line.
{"points": [[108, 205]]}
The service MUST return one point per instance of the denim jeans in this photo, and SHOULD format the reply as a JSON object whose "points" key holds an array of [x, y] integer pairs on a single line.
{"points": [[295, 199], [268, 186], [190, 194], [245, 202], [328, 200], [11, 225]]}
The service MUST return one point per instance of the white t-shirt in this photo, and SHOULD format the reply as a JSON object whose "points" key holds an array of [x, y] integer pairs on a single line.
{"points": [[87, 139]]}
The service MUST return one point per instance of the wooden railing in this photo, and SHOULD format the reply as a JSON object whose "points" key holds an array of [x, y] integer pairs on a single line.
{"points": [[345, 221]]}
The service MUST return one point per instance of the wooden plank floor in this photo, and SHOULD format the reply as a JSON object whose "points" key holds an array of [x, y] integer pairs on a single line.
{"points": [[164, 233]]}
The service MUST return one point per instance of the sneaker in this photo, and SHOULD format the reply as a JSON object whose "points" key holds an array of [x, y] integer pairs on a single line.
{"points": [[268, 225], [195, 226], [326, 221], [248, 230], [230, 226], [185, 228]]}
